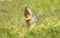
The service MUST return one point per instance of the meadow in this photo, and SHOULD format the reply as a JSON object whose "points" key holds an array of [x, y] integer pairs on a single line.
{"points": [[12, 21]]}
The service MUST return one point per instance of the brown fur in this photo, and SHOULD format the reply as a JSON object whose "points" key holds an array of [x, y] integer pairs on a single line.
{"points": [[30, 18]]}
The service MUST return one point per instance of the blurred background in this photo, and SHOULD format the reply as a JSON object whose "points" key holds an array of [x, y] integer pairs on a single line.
{"points": [[12, 22]]}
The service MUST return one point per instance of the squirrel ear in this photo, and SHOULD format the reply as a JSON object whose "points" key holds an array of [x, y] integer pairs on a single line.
{"points": [[28, 10]]}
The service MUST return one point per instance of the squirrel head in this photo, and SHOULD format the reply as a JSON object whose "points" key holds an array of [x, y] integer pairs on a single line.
{"points": [[27, 12]]}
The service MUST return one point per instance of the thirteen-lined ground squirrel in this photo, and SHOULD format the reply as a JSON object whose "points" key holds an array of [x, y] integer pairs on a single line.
{"points": [[31, 18]]}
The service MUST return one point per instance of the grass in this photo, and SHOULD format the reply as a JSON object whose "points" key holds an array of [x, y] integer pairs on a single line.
{"points": [[12, 23]]}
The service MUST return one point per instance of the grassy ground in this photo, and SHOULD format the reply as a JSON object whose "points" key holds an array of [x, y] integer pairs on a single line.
{"points": [[12, 23]]}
